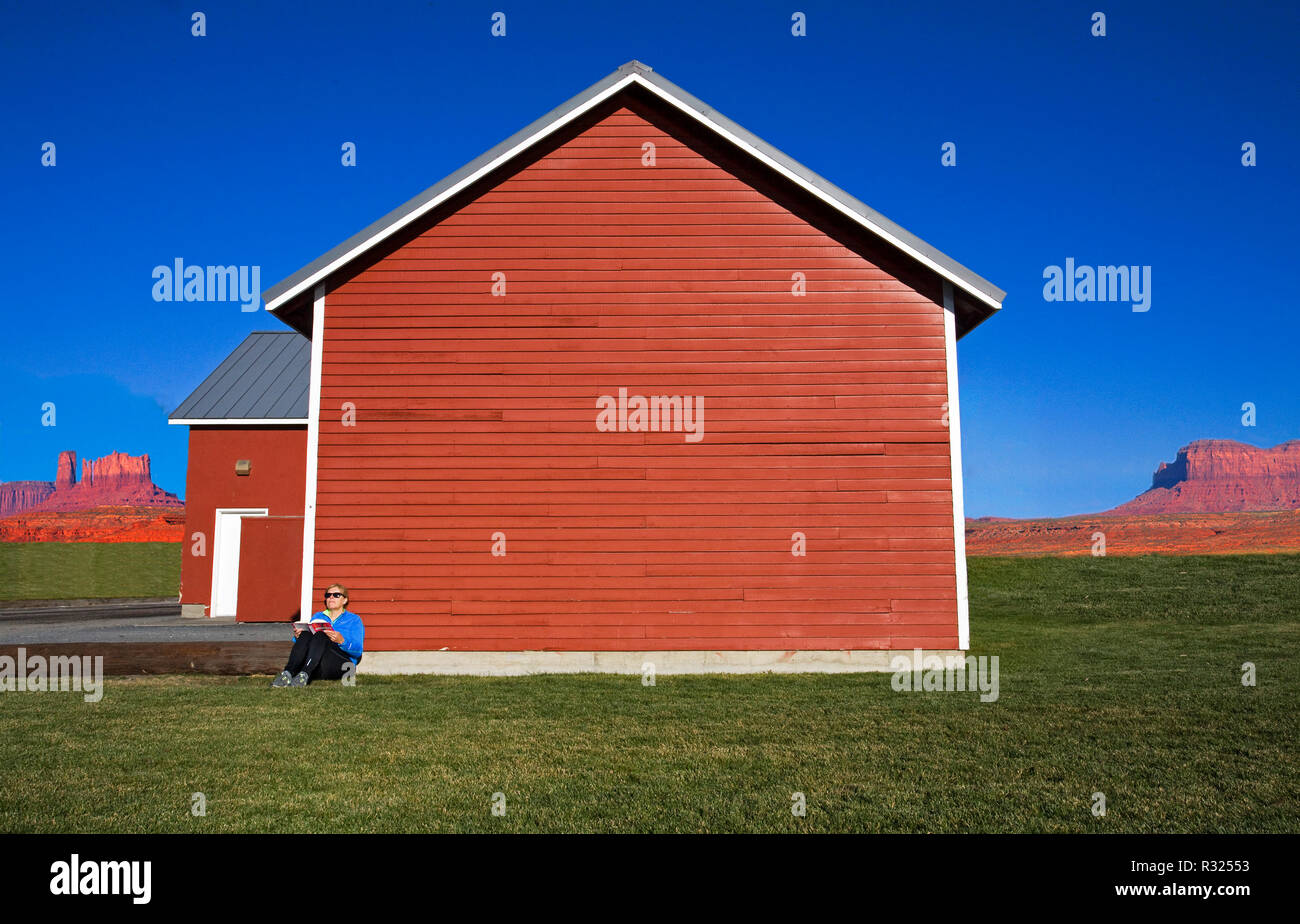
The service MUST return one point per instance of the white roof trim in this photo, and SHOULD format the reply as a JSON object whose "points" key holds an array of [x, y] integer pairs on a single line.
{"points": [[636, 73], [239, 421], [861, 219], [324, 272]]}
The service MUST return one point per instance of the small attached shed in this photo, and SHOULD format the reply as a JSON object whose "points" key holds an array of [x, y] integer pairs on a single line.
{"points": [[244, 484], [632, 385]]}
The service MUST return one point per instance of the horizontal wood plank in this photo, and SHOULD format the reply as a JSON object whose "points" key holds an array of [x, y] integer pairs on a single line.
{"points": [[450, 413]]}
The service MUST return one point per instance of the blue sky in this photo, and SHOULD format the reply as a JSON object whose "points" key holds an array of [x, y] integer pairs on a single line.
{"points": [[224, 149]]}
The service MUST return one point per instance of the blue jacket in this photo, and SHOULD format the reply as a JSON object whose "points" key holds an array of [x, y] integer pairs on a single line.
{"points": [[349, 625]]}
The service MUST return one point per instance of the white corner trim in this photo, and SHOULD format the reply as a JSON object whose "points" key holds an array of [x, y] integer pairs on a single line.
{"points": [[958, 492], [446, 194], [240, 421], [313, 445]]}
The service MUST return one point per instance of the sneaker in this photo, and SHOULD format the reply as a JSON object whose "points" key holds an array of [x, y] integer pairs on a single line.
{"points": [[282, 680], [299, 680]]}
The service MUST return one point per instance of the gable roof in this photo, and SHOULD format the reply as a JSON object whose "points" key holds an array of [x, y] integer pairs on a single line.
{"points": [[986, 297], [264, 381]]}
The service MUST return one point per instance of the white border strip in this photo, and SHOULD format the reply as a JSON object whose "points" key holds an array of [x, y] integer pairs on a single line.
{"points": [[521, 663], [566, 119], [240, 421], [958, 492], [313, 444]]}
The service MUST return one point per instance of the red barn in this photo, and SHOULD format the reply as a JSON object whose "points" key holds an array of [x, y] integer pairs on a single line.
{"points": [[633, 385]]}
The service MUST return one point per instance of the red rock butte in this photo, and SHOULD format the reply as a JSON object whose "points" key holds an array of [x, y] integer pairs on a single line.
{"points": [[1216, 497], [1221, 476], [117, 479]]}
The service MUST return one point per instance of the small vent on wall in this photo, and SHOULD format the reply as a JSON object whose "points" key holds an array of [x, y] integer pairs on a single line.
{"points": [[243, 466]]}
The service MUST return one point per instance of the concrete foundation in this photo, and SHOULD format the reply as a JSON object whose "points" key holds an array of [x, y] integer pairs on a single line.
{"points": [[518, 663], [194, 610]]}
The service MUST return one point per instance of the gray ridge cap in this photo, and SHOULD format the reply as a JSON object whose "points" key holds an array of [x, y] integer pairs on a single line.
{"points": [[973, 280]]}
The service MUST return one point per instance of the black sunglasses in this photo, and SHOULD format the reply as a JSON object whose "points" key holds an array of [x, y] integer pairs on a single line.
{"points": [[333, 593]]}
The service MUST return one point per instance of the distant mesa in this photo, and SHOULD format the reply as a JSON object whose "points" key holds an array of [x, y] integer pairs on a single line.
{"points": [[117, 480], [1216, 497], [16, 496], [1222, 476]]}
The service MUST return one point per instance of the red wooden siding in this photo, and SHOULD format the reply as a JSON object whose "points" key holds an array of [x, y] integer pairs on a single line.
{"points": [[476, 414], [270, 569], [275, 481]]}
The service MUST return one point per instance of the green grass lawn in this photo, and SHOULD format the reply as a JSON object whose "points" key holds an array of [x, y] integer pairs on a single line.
{"points": [[73, 570], [1117, 675]]}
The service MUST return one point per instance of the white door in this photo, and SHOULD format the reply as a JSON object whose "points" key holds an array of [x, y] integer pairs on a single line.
{"points": [[225, 560]]}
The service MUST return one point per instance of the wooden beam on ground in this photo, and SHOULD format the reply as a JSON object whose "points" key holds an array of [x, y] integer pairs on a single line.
{"points": [[122, 658]]}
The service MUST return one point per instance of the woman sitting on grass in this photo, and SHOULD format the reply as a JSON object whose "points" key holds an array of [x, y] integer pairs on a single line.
{"points": [[325, 655]]}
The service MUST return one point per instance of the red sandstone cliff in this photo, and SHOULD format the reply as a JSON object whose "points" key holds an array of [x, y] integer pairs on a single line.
{"points": [[1222, 476], [16, 496], [117, 470], [67, 472], [117, 479], [1216, 497]]}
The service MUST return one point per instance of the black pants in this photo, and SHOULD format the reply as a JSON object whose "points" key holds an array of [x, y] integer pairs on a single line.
{"points": [[316, 654]]}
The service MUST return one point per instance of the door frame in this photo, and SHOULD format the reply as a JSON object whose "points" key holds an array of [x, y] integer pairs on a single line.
{"points": [[236, 516]]}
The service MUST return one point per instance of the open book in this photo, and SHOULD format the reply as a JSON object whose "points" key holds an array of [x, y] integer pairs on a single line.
{"points": [[318, 622]]}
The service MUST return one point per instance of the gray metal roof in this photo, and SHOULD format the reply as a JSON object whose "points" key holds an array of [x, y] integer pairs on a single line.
{"points": [[265, 378], [962, 276]]}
